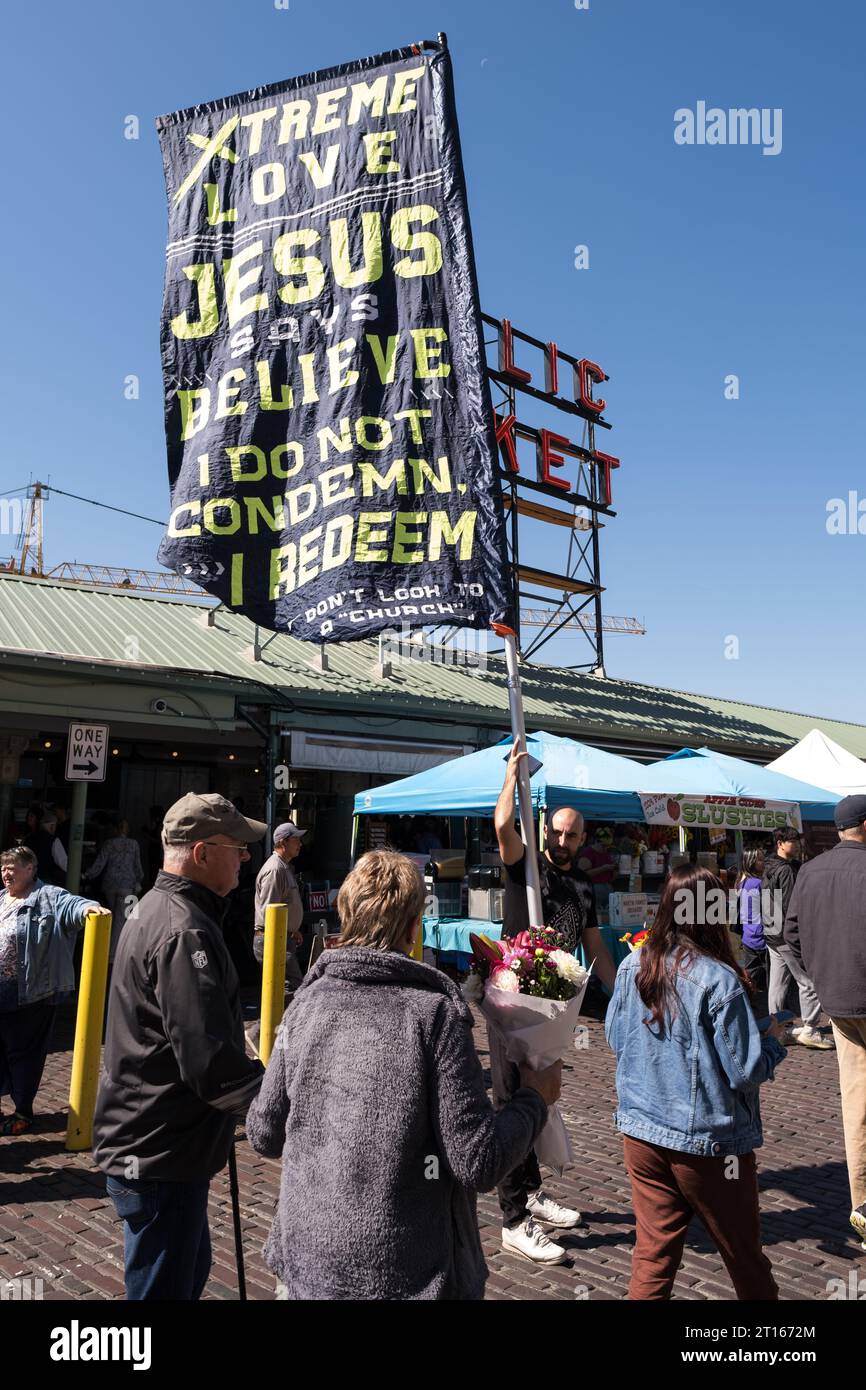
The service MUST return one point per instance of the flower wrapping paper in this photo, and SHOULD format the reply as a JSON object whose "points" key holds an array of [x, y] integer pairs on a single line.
{"points": [[536, 1032]]}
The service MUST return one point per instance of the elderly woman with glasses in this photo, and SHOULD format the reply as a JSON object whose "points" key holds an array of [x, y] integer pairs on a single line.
{"points": [[38, 924], [375, 1099]]}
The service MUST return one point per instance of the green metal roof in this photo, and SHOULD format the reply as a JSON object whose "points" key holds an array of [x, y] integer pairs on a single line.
{"points": [[41, 619]]}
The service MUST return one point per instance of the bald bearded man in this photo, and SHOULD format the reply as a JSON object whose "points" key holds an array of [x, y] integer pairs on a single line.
{"points": [[569, 906]]}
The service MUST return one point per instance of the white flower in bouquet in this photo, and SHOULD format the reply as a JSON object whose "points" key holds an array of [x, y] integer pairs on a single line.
{"points": [[568, 967], [505, 979]]}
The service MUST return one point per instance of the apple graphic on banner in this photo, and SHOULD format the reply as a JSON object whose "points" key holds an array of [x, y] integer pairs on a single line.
{"points": [[673, 809]]}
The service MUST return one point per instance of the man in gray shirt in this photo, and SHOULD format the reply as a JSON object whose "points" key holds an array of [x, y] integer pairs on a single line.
{"points": [[276, 883]]}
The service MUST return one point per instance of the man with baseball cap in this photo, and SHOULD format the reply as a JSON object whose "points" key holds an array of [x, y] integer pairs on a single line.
{"points": [[276, 883], [777, 887], [176, 1076], [826, 929]]}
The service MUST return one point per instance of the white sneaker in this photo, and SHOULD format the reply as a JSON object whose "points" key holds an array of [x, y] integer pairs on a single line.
{"points": [[811, 1037], [543, 1208], [529, 1240]]}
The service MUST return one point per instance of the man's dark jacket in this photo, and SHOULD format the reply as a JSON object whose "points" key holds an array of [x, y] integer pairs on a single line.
{"points": [[175, 1072], [777, 887], [826, 927]]}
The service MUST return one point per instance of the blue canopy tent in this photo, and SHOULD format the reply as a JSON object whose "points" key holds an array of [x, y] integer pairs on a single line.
{"points": [[601, 785], [703, 772]]}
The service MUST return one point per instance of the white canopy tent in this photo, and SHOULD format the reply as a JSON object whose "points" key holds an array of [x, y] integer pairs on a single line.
{"points": [[824, 763]]}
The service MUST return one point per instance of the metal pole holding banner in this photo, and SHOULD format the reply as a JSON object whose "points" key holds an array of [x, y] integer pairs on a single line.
{"points": [[524, 789], [273, 976], [88, 1031]]}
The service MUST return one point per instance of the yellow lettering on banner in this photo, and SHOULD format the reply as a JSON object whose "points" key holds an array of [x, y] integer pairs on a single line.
{"points": [[395, 477], [371, 269], [414, 417], [174, 529], [385, 361], [460, 535], [321, 174], [237, 597], [424, 341], [236, 453], [338, 542], [328, 440], [225, 528], [370, 533], [236, 283], [280, 470], [257, 510], [266, 391], [203, 470], [406, 534], [405, 239], [203, 277], [210, 149], [194, 410], [362, 432], [295, 500], [307, 554], [327, 116], [254, 122], [215, 214], [294, 121], [421, 469], [340, 373], [402, 93], [379, 147], [310, 267], [369, 95], [331, 481], [307, 363], [225, 391], [282, 574], [276, 174]]}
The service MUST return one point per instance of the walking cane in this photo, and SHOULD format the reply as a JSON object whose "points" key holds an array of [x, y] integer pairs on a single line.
{"points": [[236, 1218]]}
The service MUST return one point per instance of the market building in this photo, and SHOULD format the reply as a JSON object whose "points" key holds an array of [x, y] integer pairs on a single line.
{"points": [[196, 697]]}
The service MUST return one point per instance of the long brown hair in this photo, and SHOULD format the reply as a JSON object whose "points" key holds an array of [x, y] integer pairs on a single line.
{"points": [[680, 932]]}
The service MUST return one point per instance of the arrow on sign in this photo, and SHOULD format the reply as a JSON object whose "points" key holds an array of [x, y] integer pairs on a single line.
{"points": [[89, 767]]}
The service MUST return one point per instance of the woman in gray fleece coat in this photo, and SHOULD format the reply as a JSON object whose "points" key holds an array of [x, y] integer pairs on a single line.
{"points": [[375, 1099]]}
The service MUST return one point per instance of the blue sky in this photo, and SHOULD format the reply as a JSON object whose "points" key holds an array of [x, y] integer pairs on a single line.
{"points": [[704, 262]]}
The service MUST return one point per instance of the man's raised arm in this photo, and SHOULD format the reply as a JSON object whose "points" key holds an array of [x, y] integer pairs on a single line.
{"points": [[510, 843]]}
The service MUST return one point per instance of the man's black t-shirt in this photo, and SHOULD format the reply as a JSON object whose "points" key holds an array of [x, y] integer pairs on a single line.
{"points": [[566, 898]]}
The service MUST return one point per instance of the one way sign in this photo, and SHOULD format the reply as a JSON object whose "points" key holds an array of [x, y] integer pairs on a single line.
{"points": [[86, 749]]}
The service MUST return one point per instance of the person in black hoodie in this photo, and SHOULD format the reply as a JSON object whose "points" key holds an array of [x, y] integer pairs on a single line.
{"points": [[777, 888]]}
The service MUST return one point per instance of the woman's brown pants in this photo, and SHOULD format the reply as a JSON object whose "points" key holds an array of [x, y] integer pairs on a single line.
{"points": [[668, 1188]]}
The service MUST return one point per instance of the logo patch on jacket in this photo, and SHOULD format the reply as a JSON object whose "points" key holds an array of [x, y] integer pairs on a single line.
{"points": [[199, 960]]}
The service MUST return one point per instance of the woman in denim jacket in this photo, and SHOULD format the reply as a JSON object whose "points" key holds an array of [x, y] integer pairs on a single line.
{"points": [[690, 1062], [38, 924]]}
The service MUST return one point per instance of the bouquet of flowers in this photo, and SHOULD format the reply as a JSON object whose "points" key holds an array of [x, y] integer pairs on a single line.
{"points": [[531, 990]]}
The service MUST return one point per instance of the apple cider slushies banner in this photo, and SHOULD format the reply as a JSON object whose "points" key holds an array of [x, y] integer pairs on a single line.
{"points": [[331, 450]]}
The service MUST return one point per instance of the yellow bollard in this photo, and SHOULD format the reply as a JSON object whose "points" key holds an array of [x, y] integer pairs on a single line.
{"points": [[88, 1032], [273, 976]]}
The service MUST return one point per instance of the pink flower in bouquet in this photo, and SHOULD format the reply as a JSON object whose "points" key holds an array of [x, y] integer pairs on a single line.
{"points": [[523, 941], [518, 960], [502, 977]]}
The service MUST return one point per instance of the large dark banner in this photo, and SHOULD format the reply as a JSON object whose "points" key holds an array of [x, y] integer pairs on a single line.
{"points": [[331, 451]]}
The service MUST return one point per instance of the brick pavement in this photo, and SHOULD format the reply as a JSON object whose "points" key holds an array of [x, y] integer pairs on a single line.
{"points": [[57, 1224]]}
